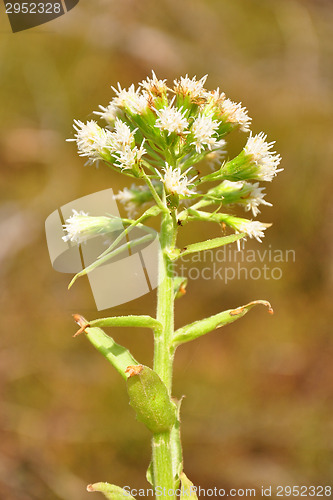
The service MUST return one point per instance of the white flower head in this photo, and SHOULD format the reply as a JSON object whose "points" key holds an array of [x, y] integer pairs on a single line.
{"points": [[171, 119], [236, 114], [203, 130], [154, 86], [260, 152], [249, 195], [80, 226], [175, 181], [122, 136], [252, 228], [215, 98], [92, 140], [129, 156], [108, 113], [255, 198], [191, 86], [130, 99]]}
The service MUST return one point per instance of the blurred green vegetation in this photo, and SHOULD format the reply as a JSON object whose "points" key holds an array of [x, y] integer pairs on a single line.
{"points": [[259, 393]]}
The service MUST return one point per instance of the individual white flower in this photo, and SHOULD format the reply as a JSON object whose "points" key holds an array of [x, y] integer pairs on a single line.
{"points": [[154, 86], [236, 114], [129, 156], [92, 140], [122, 136], [257, 146], [140, 105], [191, 87], [130, 99], [203, 130], [217, 154], [108, 113], [215, 98], [249, 195], [252, 228], [171, 119], [267, 161], [175, 181], [254, 198], [80, 226]]}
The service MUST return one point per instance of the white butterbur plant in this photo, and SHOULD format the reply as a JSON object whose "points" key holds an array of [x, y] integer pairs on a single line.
{"points": [[171, 142]]}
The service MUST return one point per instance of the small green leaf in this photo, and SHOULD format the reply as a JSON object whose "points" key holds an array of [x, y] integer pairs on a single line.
{"points": [[203, 326], [131, 320], [110, 491], [116, 354], [187, 489], [150, 399], [205, 245]]}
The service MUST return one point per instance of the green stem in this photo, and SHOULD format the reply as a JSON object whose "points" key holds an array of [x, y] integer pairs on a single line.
{"points": [[163, 358], [157, 199], [165, 302]]}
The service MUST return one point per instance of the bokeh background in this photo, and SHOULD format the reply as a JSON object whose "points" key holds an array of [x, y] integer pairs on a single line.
{"points": [[259, 393]]}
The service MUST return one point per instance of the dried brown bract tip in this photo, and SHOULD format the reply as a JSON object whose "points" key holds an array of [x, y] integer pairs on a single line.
{"points": [[82, 322], [133, 370]]}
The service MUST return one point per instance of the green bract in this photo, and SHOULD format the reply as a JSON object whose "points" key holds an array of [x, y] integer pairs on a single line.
{"points": [[203, 326]]}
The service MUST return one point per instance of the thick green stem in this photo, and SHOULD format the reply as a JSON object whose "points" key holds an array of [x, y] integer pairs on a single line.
{"points": [[162, 466], [165, 303], [163, 358]]}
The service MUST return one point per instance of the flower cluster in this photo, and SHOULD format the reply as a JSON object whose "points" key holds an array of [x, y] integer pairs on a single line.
{"points": [[159, 134]]}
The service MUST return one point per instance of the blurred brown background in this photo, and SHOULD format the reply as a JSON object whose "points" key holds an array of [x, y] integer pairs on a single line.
{"points": [[259, 393]]}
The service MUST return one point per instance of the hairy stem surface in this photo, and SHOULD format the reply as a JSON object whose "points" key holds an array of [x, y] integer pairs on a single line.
{"points": [[163, 358]]}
